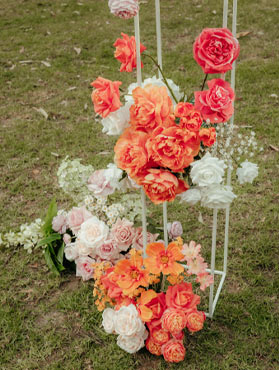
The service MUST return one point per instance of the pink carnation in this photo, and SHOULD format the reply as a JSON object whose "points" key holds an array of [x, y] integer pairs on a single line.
{"points": [[138, 238], [59, 223], [123, 233], [84, 267], [76, 217], [124, 8]]}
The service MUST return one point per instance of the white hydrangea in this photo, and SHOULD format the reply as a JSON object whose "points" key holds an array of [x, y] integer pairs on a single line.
{"points": [[116, 122], [208, 170], [247, 172], [217, 196], [157, 82]]}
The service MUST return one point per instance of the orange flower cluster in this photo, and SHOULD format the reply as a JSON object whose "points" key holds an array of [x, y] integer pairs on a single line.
{"points": [[160, 142]]}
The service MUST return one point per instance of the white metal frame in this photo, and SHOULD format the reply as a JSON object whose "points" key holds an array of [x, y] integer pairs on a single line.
{"points": [[212, 299]]}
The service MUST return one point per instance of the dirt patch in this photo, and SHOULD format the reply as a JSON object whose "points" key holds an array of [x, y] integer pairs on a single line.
{"points": [[54, 318]]}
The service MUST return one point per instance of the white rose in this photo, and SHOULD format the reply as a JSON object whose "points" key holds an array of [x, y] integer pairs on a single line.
{"points": [[108, 320], [247, 173], [131, 344], [157, 82], [116, 122], [191, 196], [127, 321], [217, 196], [207, 171], [71, 252], [93, 233]]}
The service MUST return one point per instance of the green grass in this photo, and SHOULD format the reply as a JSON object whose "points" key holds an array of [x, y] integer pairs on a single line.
{"points": [[51, 323]]}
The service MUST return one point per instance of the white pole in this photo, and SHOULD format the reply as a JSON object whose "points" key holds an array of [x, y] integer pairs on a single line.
{"points": [[225, 14], [212, 264], [139, 82], [158, 33], [234, 64], [165, 219]]}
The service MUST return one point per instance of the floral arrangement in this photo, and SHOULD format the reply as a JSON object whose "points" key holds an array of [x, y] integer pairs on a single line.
{"points": [[141, 312]]}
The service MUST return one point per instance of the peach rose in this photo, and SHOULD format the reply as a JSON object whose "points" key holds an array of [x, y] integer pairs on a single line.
{"points": [[190, 118], [215, 49], [106, 96], [181, 296], [195, 320], [126, 52], [173, 351], [152, 108], [122, 232], [161, 186], [130, 152], [215, 104], [174, 320], [153, 347], [207, 136], [169, 148]]}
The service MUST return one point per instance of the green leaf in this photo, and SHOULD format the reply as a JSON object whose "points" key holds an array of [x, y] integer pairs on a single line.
{"points": [[60, 254], [55, 260], [49, 239], [51, 212], [49, 261]]}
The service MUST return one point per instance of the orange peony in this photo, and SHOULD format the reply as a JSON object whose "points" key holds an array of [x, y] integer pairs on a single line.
{"points": [[130, 274], [174, 320], [190, 118], [207, 136], [106, 96], [130, 151], [168, 147], [126, 52], [153, 347], [174, 351], [152, 108], [181, 296], [162, 260], [160, 335], [160, 185], [195, 320]]}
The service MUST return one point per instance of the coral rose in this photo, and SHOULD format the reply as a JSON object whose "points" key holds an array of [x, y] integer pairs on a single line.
{"points": [[126, 52], [190, 118], [195, 320], [161, 186], [215, 49], [153, 347], [152, 108], [106, 96], [130, 152], [170, 148], [157, 306], [160, 335], [181, 296], [174, 320], [216, 104], [173, 351], [207, 136]]}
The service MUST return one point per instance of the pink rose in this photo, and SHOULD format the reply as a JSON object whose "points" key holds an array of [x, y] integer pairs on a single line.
{"points": [[76, 217], [123, 233], [84, 267], [174, 229], [138, 238], [215, 49], [108, 250], [215, 104], [124, 8], [59, 223], [98, 184]]}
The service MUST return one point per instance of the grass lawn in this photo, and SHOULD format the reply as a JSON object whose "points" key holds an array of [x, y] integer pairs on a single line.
{"points": [[50, 322]]}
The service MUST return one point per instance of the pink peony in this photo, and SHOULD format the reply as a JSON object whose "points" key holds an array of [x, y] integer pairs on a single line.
{"points": [[174, 229], [108, 250], [59, 223], [76, 217], [84, 267], [123, 233], [124, 8], [138, 238], [215, 104]]}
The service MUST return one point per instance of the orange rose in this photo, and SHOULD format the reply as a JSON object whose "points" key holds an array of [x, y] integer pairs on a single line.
{"points": [[174, 320], [169, 148], [106, 96], [160, 335], [152, 108], [153, 347], [174, 351], [126, 52], [208, 136], [190, 118], [181, 296], [130, 151], [195, 320], [160, 186]]}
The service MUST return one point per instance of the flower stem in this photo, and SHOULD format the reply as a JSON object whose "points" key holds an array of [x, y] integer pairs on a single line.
{"points": [[204, 81], [165, 80]]}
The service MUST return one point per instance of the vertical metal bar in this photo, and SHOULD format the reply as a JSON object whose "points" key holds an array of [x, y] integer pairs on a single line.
{"points": [[158, 33], [212, 264], [165, 219], [225, 14]]}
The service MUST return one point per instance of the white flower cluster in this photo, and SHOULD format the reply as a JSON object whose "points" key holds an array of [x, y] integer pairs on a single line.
{"points": [[127, 323], [72, 178], [28, 236]]}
